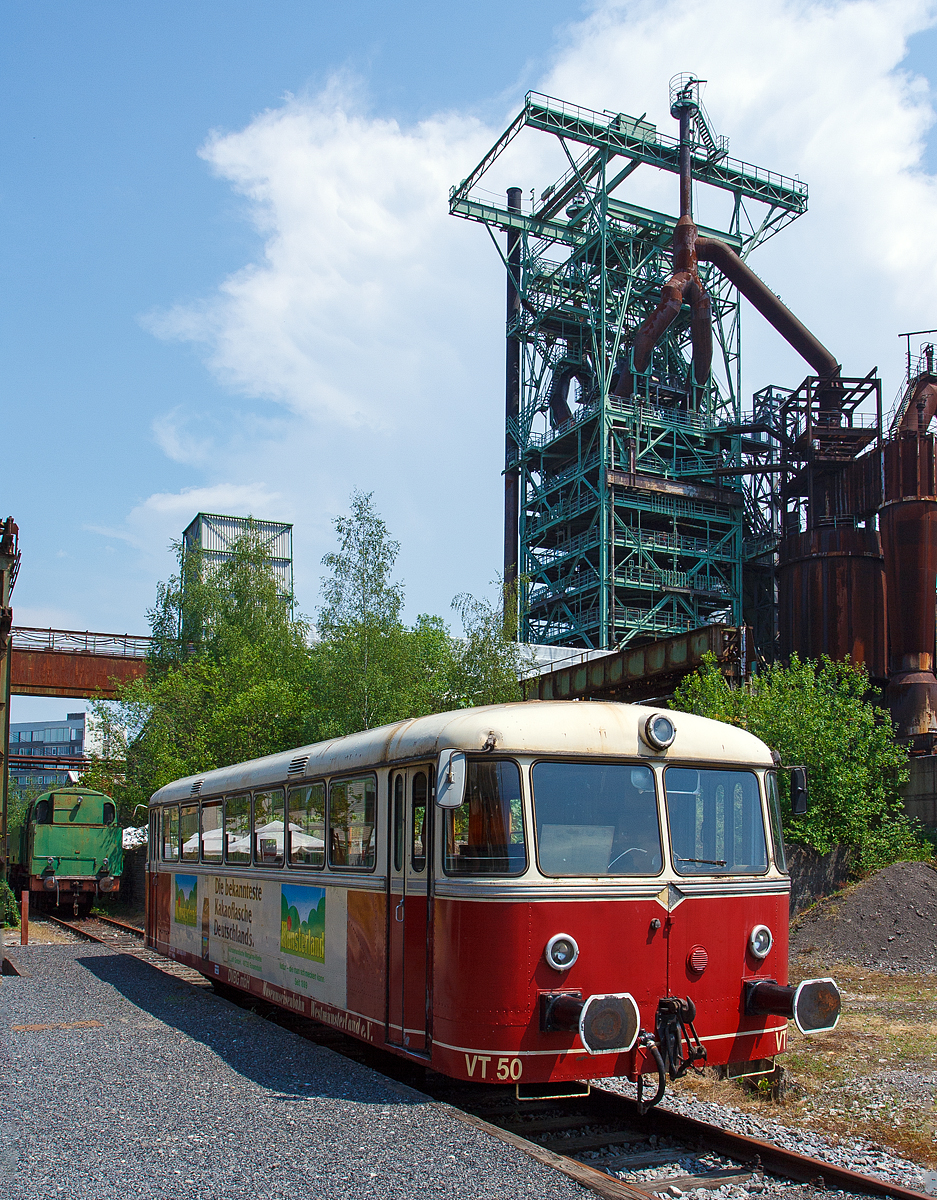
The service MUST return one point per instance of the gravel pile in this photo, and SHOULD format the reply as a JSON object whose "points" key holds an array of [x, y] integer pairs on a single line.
{"points": [[137, 1084], [887, 922], [853, 1153]]}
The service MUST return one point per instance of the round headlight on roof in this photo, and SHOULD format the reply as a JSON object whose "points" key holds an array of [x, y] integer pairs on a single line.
{"points": [[561, 951], [659, 731]]}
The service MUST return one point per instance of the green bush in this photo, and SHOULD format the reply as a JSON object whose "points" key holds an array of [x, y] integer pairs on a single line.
{"points": [[9, 907], [815, 714]]}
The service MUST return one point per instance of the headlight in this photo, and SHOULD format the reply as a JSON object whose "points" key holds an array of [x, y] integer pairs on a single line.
{"points": [[561, 951], [659, 731], [760, 941]]}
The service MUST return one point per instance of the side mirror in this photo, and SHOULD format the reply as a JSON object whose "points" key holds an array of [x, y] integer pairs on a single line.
{"points": [[450, 779], [799, 796]]}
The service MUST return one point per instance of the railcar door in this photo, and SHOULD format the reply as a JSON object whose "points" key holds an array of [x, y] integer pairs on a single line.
{"points": [[410, 814]]}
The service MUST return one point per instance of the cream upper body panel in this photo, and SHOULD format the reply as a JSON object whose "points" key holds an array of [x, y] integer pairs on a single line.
{"points": [[593, 729]]}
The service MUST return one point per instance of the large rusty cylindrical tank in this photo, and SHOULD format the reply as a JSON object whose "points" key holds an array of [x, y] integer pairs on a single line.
{"points": [[908, 524], [831, 596]]}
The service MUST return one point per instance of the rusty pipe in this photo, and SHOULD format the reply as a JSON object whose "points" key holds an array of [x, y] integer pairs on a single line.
{"points": [[683, 285], [686, 166], [771, 308]]}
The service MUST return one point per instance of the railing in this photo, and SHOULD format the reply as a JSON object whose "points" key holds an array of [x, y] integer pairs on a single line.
{"points": [[73, 641], [647, 410]]}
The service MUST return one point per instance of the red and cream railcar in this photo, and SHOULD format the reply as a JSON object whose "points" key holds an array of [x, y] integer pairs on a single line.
{"points": [[526, 893]]}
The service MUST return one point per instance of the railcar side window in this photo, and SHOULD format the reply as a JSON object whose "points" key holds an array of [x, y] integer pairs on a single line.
{"points": [[307, 825], [237, 829], [485, 836], [268, 828], [398, 822], [188, 828], [716, 826], [777, 829], [211, 832], [596, 819], [352, 804], [418, 817], [171, 834]]}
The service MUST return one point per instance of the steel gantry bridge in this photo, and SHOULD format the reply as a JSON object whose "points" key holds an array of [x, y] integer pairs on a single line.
{"points": [[626, 518]]}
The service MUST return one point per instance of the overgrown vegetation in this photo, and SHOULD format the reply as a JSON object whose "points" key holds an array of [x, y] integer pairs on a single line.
{"points": [[236, 674], [9, 909], [816, 714]]}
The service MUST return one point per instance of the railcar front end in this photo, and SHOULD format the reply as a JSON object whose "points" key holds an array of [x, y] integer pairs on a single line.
{"points": [[531, 894]]}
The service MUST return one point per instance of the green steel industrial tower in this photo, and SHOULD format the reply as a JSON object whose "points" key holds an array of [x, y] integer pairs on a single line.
{"points": [[626, 514]]}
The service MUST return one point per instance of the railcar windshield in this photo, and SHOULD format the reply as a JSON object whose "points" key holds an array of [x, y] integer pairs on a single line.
{"points": [[716, 824], [485, 835], [596, 819]]}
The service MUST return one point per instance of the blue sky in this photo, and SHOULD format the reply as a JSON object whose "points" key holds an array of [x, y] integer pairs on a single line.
{"points": [[174, 336]]}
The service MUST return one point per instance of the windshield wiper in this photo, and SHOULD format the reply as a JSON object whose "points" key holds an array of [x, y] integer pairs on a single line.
{"points": [[708, 862]]}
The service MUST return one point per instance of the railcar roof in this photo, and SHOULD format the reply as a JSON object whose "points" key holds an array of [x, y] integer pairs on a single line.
{"points": [[592, 728]]}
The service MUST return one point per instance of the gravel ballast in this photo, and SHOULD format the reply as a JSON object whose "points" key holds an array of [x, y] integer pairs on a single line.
{"points": [[852, 1153], [141, 1085]]}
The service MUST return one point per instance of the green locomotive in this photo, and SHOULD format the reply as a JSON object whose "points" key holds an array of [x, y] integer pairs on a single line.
{"points": [[69, 849]]}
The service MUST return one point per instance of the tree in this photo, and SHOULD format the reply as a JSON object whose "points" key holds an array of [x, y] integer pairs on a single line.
{"points": [[815, 714], [488, 664], [230, 678], [234, 674], [362, 653]]}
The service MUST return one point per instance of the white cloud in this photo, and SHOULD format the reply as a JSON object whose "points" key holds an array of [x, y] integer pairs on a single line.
{"points": [[373, 320], [348, 316]]}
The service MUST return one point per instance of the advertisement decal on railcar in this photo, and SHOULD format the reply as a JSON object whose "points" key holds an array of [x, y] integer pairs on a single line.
{"points": [[302, 923], [284, 934], [185, 910]]}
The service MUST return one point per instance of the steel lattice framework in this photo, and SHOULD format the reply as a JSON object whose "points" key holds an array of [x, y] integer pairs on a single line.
{"points": [[633, 522]]}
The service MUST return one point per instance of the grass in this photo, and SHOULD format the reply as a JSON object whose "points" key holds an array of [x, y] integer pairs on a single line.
{"points": [[863, 1080]]}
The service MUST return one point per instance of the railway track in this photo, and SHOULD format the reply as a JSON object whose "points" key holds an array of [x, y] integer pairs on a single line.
{"points": [[130, 940], [620, 1142], [106, 930], [605, 1125]]}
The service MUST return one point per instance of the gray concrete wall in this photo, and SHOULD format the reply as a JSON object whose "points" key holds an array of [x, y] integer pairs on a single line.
{"points": [[920, 792], [815, 875]]}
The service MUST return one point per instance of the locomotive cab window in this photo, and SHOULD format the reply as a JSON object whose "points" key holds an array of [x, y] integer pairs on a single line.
{"points": [[596, 819], [110, 812], [352, 804], [211, 832], [485, 835], [42, 813], [307, 825], [268, 828], [716, 825]]}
